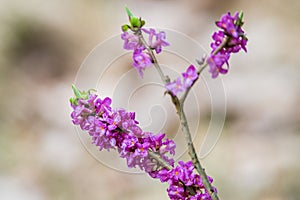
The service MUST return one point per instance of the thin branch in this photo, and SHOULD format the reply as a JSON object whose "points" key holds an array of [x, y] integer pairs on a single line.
{"points": [[159, 159], [194, 157], [163, 77], [204, 65], [184, 124]]}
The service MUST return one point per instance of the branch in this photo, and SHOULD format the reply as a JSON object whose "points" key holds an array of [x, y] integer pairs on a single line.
{"points": [[194, 157], [163, 77], [184, 125], [161, 161], [204, 65]]}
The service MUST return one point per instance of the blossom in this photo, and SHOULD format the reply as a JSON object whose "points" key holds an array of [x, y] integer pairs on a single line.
{"points": [[231, 31], [141, 61], [189, 76], [216, 64], [176, 192], [227, 23], [142, 149], [113, 121], [183, 176], [131, 41], [218, 38], [175, 86], [118, 129], [236, 44], [103, 105], [160, 39]]}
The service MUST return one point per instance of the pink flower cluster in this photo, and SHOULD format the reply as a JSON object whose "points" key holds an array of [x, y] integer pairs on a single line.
{"points": [[141, 58], [119, 130], [183, 174], [189, 76], [230, 29]]}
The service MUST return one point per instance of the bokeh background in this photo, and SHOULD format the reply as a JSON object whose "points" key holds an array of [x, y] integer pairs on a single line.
{"points": [[42, 45]]}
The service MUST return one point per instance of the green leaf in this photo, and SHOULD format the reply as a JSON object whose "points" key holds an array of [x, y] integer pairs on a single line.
{"points": [[77, 93], [241, 15], [240, 19], [130, 15]]}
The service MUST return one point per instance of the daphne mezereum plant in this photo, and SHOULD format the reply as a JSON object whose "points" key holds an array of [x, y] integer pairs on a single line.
{"points": [[119, 130]]}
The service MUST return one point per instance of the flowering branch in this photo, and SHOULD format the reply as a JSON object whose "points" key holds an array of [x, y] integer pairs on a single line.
{"points": [[230, 40], [202, 67], [118, 129], [183, 121], [163, 77]]}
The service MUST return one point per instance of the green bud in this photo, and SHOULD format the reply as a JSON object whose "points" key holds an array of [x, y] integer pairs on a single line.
{"points": [[142, 22], [125, 28], [79, 94], [135, 22], [74, 101]]}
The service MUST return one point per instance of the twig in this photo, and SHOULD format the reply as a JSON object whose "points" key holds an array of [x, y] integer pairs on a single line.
{"points": [[164, 78], [180, 111], [204, 65], [194, 157], [161, 161]]}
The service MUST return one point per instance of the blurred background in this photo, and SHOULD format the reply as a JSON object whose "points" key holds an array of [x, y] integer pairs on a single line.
{"points": [[42, 45]]}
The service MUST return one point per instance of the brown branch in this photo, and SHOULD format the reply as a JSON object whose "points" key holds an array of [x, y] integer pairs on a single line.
{"points": [[184, 124]]}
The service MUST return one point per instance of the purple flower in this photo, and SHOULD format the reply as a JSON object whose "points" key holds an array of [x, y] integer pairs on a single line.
{"points": [[118, 129], [216, 63], [103, 105], [236, 40], [131, 41], [175, 86], [227, 23], [142, 149], [183, 173], [218, 38], [160, 39], [236, 44], [141, 61], [113, 121], [200, 196], [167, 147], [176, 192], [129, 143], [189, 76], [100, 128]]}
